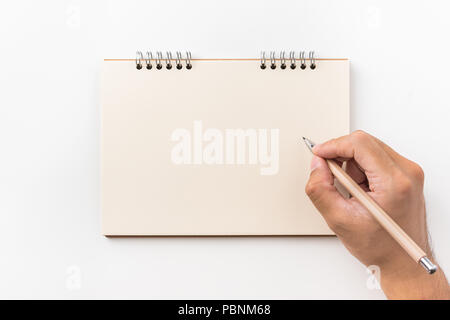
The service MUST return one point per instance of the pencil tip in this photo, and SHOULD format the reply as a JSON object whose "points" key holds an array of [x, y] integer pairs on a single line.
{"points": [[308, 143]]}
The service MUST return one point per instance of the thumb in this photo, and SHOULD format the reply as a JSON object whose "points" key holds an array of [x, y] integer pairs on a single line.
{"points": [[321, 190]]}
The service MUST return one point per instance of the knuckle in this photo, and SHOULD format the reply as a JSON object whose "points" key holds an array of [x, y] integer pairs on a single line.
{"points": [[403, 185], [417, 172], [359, 136], [312, 190]]}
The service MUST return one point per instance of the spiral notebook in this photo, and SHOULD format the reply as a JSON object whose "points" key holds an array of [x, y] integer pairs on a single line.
{"points": [[203, 147]]}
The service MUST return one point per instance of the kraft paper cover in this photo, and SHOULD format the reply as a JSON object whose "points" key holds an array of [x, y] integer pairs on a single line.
{"points": [[144, 192]]}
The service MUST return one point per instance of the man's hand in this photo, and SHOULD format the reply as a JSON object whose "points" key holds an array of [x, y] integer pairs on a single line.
{"points": [[396, 184]]}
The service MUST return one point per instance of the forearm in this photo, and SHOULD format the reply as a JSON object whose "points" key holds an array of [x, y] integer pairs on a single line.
{"points": [[410, 281]]}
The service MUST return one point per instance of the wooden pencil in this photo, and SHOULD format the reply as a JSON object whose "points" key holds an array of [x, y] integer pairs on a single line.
{"points": [[379, 214]]}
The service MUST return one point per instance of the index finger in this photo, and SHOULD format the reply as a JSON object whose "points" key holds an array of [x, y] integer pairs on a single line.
{"points": [[360, 146]]}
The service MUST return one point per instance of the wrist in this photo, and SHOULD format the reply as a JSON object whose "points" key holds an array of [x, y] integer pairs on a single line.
{"points": [[404, 279]]}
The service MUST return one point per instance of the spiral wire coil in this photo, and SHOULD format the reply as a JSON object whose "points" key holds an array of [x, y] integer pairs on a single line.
{"points": [[161, 60], [168, 59], [293, 61]]}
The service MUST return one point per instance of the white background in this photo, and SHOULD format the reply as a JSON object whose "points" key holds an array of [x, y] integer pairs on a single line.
{"points": [[51, 51]]}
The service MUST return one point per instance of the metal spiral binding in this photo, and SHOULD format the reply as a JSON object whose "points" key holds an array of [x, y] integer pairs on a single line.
{"points": [[168, 60], [282, 60], [139, 58], [312, 59], [159, 58], [303, 60], [292, 60], [188, 60], [263, 60], [272, 60], [148, 60], [178, 60]]}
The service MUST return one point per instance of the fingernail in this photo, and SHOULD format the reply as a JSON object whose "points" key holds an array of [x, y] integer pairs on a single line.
{"points": [[317, 146], [315, 162]]}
